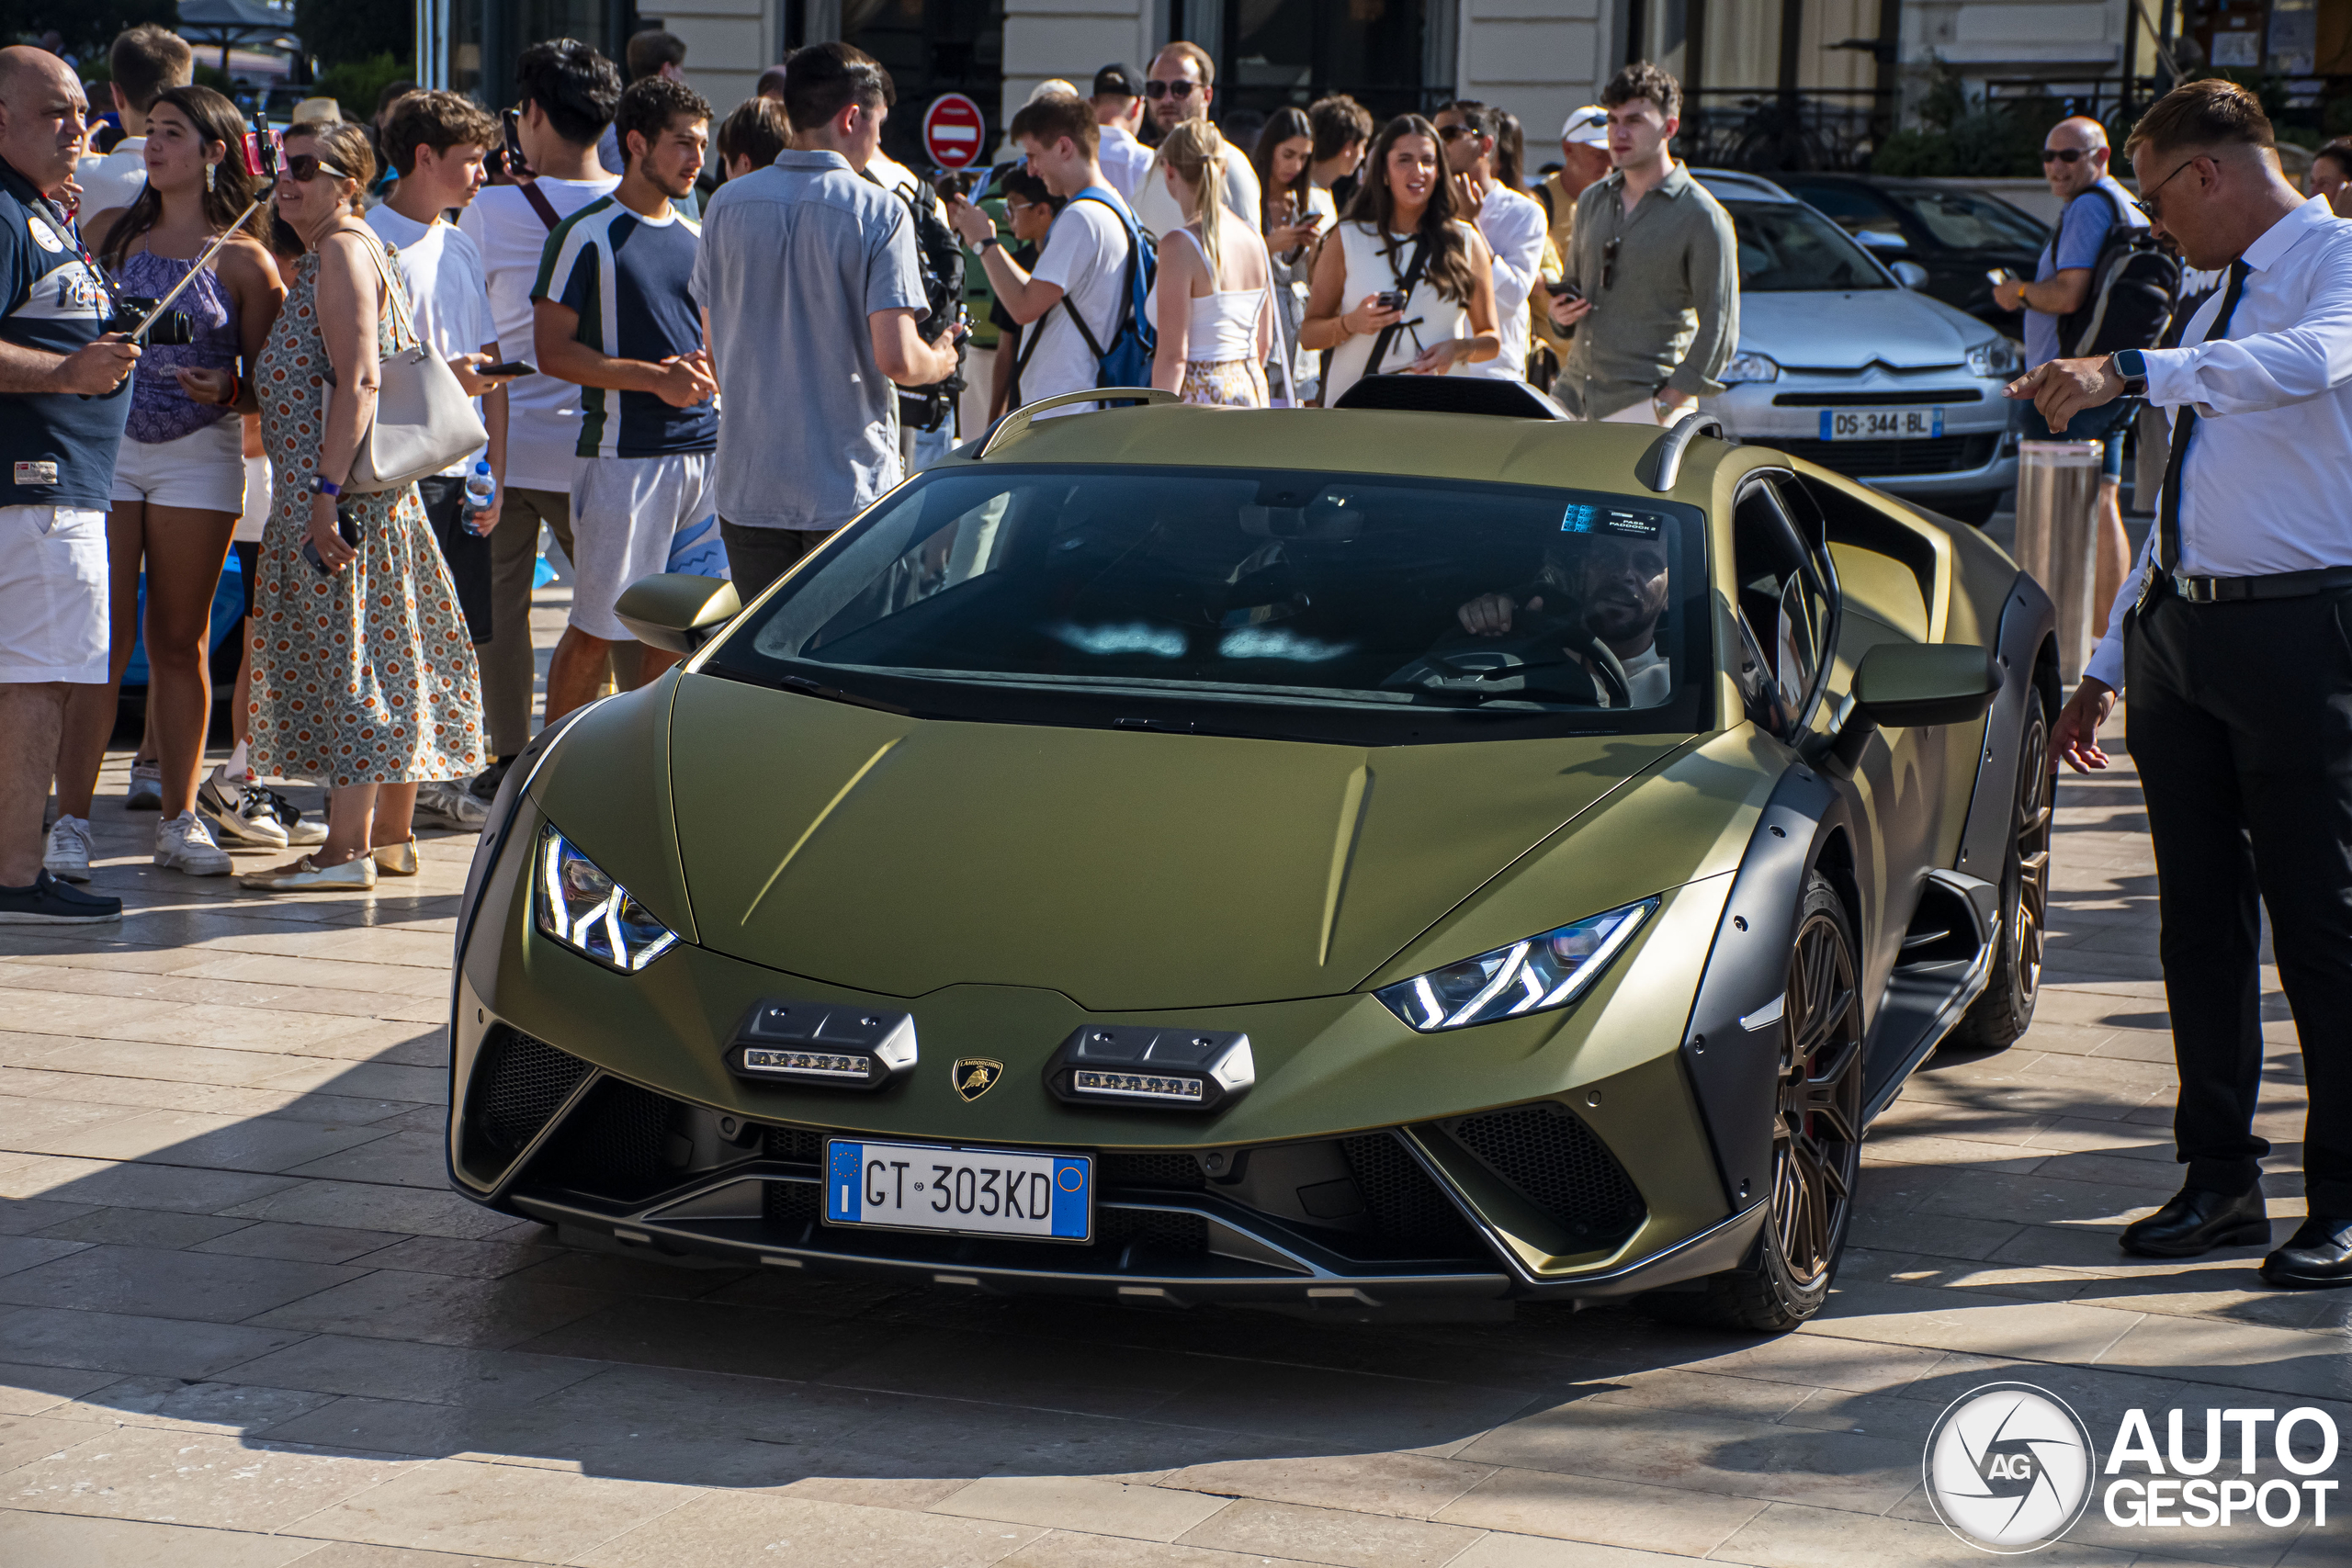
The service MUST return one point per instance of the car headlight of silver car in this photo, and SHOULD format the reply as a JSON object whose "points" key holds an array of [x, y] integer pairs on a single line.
{"points": [[1747, 366], [582, 908], [1543, 972], [1996, 357]]}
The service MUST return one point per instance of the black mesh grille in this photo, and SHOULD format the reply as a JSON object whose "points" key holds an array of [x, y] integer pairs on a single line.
{"points": [[1180, 1171], [1409, 1209], [1156, 1228], [789, 1205], [1547, 1153], [1874, 460], [617, 1145], [804, 1145], [519, 1085]]}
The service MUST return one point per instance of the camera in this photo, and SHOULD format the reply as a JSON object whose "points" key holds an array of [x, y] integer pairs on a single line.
{"points": [[172, 329]]}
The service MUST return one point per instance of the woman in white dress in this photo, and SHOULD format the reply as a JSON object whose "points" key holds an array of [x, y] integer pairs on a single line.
{"points": [[1211, 303], [1401, 238]]}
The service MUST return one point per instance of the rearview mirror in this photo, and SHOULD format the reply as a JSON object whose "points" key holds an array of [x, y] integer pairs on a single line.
{"points": [[676, 612], [1902, 685], [1910, 274]]}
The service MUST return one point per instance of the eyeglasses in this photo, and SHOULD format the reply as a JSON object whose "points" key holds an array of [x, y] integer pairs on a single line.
{"points": [[2148, 198], [1608, 260], [1180, 91], [1014, 206], [1455, 132], [303, 167], [2063, 155]]}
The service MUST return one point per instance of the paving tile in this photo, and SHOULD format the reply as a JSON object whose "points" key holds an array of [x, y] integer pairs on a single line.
{"points": [[1987, 1324], [391, 1369], [1411, 1486], [356, 1554], [119, 1342], [300, 1244], [708, 1337], [493, 1510], [1103, 1507], [726, 1530], [99, 1183], [398, 1159], [453, 1255], [1314, 1403], [2242, 1355], [229, 1407], [1071, 1549], [1609, 1512], [1785, 1536], [144, 1227], [1329, 1535], [362, 1206], [40, 1541], [29, 1391], [628, 1276], [190, 1478], [437, 1309], [24, 1439], [1098, 1380], [21, 1252], [265, 1143], [154, 1282], [1498, 1550]]}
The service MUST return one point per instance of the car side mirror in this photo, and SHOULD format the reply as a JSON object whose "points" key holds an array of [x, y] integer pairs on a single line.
{"points": [[1902, 685], [677, 611], [1910, 274]]}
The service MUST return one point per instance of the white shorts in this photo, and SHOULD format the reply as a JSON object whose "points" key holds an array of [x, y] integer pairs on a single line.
{"points": [[203, 471], [625, 512], [52, 595]]}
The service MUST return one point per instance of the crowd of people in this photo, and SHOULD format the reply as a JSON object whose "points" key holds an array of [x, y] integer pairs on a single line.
{"points": [[625, 331]]}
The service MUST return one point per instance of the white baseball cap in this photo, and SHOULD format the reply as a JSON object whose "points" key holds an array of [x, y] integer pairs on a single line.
{"points": [[1589, 126]]}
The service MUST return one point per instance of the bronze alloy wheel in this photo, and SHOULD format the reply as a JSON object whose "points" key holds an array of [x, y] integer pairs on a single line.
{"points": [[1818, 1134], [2006, 1009]]}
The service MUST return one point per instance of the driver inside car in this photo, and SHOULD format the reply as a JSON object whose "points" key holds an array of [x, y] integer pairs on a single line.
{"points": [[1620, 584]]}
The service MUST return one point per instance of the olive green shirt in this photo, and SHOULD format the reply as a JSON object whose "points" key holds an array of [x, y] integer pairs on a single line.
{"points": [[1665, 310]]}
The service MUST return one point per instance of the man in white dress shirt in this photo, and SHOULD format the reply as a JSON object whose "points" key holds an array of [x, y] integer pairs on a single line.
{"points": [[1511, 222], [1118, 115], [2231, 634]]}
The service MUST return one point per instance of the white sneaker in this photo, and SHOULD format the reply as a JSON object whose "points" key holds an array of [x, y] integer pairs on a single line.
{"points": [[67, 858], [453, 804], [238, 815], [185, 844], [298, 830], [146, 787]]}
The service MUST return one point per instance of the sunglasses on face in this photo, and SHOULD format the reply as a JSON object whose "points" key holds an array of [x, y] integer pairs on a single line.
{"points": [[1608, 261], [1180, 91], [303, 167], [2148, 202], [2062, 154], [1453, 132]]}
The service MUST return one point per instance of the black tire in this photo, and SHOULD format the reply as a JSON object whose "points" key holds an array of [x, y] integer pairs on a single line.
{"points": [[1995, 1019], [1816, 1140]]}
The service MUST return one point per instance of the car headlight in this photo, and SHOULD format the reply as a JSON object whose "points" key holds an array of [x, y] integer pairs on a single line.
{"points": [[1996, 357], [1746, 365], [1548, 971], [590, 913]]}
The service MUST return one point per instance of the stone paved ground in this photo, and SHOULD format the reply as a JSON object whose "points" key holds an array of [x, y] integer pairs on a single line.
{"points": [[244, 1323]]}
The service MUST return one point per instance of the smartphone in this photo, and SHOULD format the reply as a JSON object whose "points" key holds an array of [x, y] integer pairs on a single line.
{"points": [[1566, 288], [346, 523], [261, 149], [1393, 300], [2000, 275], [508, 367], [512, 163], [955, 183]]}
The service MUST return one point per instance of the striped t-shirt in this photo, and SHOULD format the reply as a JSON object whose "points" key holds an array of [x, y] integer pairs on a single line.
{"points": [[632, 280]]}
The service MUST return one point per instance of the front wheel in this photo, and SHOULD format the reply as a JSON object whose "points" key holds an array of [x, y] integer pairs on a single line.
{"points": [[1816, 1138]]}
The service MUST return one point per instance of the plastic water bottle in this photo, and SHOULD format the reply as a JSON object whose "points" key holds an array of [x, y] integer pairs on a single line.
{"points": [[479, 489]]}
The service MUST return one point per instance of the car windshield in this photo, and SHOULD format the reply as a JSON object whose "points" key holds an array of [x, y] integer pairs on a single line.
{"points": [[1355, 608], [1785, 247], [1971, 220]]}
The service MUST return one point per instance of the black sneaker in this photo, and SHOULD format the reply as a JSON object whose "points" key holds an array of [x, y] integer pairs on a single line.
{"points": [[49, 902], [485, 785]]}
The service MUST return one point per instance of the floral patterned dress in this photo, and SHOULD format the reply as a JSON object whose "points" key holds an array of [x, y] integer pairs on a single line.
{"points": [[366, 676]]}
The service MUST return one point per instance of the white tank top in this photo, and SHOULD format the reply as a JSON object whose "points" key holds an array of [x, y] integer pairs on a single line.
{"points": [[1223, 325], [1430, 315]]}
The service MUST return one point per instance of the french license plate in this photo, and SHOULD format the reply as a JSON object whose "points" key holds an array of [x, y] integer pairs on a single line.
{"points": [[1881, 425], [932, 1187]]}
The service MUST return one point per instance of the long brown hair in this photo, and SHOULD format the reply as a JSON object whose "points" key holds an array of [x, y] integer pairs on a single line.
{"points": [[217, 123], [1287, 122], [1448, 267]]}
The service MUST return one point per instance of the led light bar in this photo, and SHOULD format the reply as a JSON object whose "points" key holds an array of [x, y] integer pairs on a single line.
{"points": [[1143, 1066], [822, 1043], [1137, 1086]]}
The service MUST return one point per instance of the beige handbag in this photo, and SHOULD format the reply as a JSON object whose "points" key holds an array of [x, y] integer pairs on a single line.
{"points": [[425, 421]]}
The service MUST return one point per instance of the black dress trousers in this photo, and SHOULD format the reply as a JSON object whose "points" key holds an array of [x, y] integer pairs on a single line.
{"points": [[2240, 720]]}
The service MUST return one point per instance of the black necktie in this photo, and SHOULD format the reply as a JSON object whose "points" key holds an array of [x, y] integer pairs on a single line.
{"points": [[2168, 517]]}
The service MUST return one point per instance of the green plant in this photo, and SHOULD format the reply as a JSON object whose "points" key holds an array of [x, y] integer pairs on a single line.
{"points": [[356, 83]]}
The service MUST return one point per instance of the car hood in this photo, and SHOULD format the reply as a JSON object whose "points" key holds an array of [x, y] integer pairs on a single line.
{"points": [[1896, 327], [1128, 871]]}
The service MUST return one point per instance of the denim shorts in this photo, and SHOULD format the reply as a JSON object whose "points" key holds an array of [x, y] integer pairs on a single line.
{"points": [[2105, 425]]}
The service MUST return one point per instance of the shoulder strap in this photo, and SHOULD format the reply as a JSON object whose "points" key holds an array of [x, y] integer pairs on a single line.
{"points": [[1126, 283], [540, 204], [1411, 276], [396, 298]]}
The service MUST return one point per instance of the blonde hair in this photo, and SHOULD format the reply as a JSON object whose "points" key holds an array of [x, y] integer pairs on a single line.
{"points": [[1196, 150]]}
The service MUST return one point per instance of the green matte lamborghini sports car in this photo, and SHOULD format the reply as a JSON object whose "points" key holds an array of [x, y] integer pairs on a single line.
{"points": [[1380, 856]]}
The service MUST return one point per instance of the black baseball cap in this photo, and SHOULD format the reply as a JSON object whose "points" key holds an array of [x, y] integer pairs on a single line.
{"points": [[1118, 81]]}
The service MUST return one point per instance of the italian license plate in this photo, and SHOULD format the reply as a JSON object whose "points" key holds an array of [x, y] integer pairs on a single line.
{"points": [[932, 1186], [1881, 425]]}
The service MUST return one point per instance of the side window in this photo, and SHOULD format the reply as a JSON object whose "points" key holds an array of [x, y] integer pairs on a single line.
{"points": [[1782, 616]]}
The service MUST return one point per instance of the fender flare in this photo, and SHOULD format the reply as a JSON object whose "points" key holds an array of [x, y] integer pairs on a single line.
{"points": [[2026, 651]]}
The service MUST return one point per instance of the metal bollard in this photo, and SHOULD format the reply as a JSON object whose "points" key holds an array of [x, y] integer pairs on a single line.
{"points": [[2057, 488]]}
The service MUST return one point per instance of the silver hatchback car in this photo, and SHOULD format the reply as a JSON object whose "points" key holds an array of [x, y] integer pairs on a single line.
{"points": [[1842, 363]]}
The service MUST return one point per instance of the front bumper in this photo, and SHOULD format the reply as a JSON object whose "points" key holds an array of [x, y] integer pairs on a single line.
{"points": [[1976, 452]]}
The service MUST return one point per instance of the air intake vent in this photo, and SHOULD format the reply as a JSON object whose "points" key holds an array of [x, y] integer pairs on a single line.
{"points": [[1411, 1211], [801, 1146], [1178, 1172], [617, 1145], [1560, 1164], [519, 1086]]}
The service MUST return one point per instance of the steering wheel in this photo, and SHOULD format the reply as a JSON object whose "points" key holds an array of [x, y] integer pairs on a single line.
{"points": [[1478, 669]]}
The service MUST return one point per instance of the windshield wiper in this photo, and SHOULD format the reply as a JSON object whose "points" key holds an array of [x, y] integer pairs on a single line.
{"points": [[835, 694]]}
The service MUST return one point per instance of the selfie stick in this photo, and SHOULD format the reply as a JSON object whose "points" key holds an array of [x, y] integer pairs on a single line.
{"points": [[266, 152]]}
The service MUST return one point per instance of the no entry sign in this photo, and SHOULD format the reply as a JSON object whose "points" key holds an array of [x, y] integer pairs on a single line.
{"points": [[953, 131]]}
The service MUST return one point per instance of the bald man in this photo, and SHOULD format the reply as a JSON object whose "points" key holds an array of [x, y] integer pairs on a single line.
{"points": [[2074, 160], [62, 401]]}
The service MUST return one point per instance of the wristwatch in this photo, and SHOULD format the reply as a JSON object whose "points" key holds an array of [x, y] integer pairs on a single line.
{"points": [[2132, 365], [988, 240], [319, 486]]}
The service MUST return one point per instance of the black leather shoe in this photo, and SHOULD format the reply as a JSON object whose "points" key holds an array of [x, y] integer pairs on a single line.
{"points": [[2316, 1258], [2196, 1221]]}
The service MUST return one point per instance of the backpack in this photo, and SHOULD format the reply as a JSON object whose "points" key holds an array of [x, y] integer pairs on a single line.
{"points": [[2135, 286], [939, 256], [1125, 359]]}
